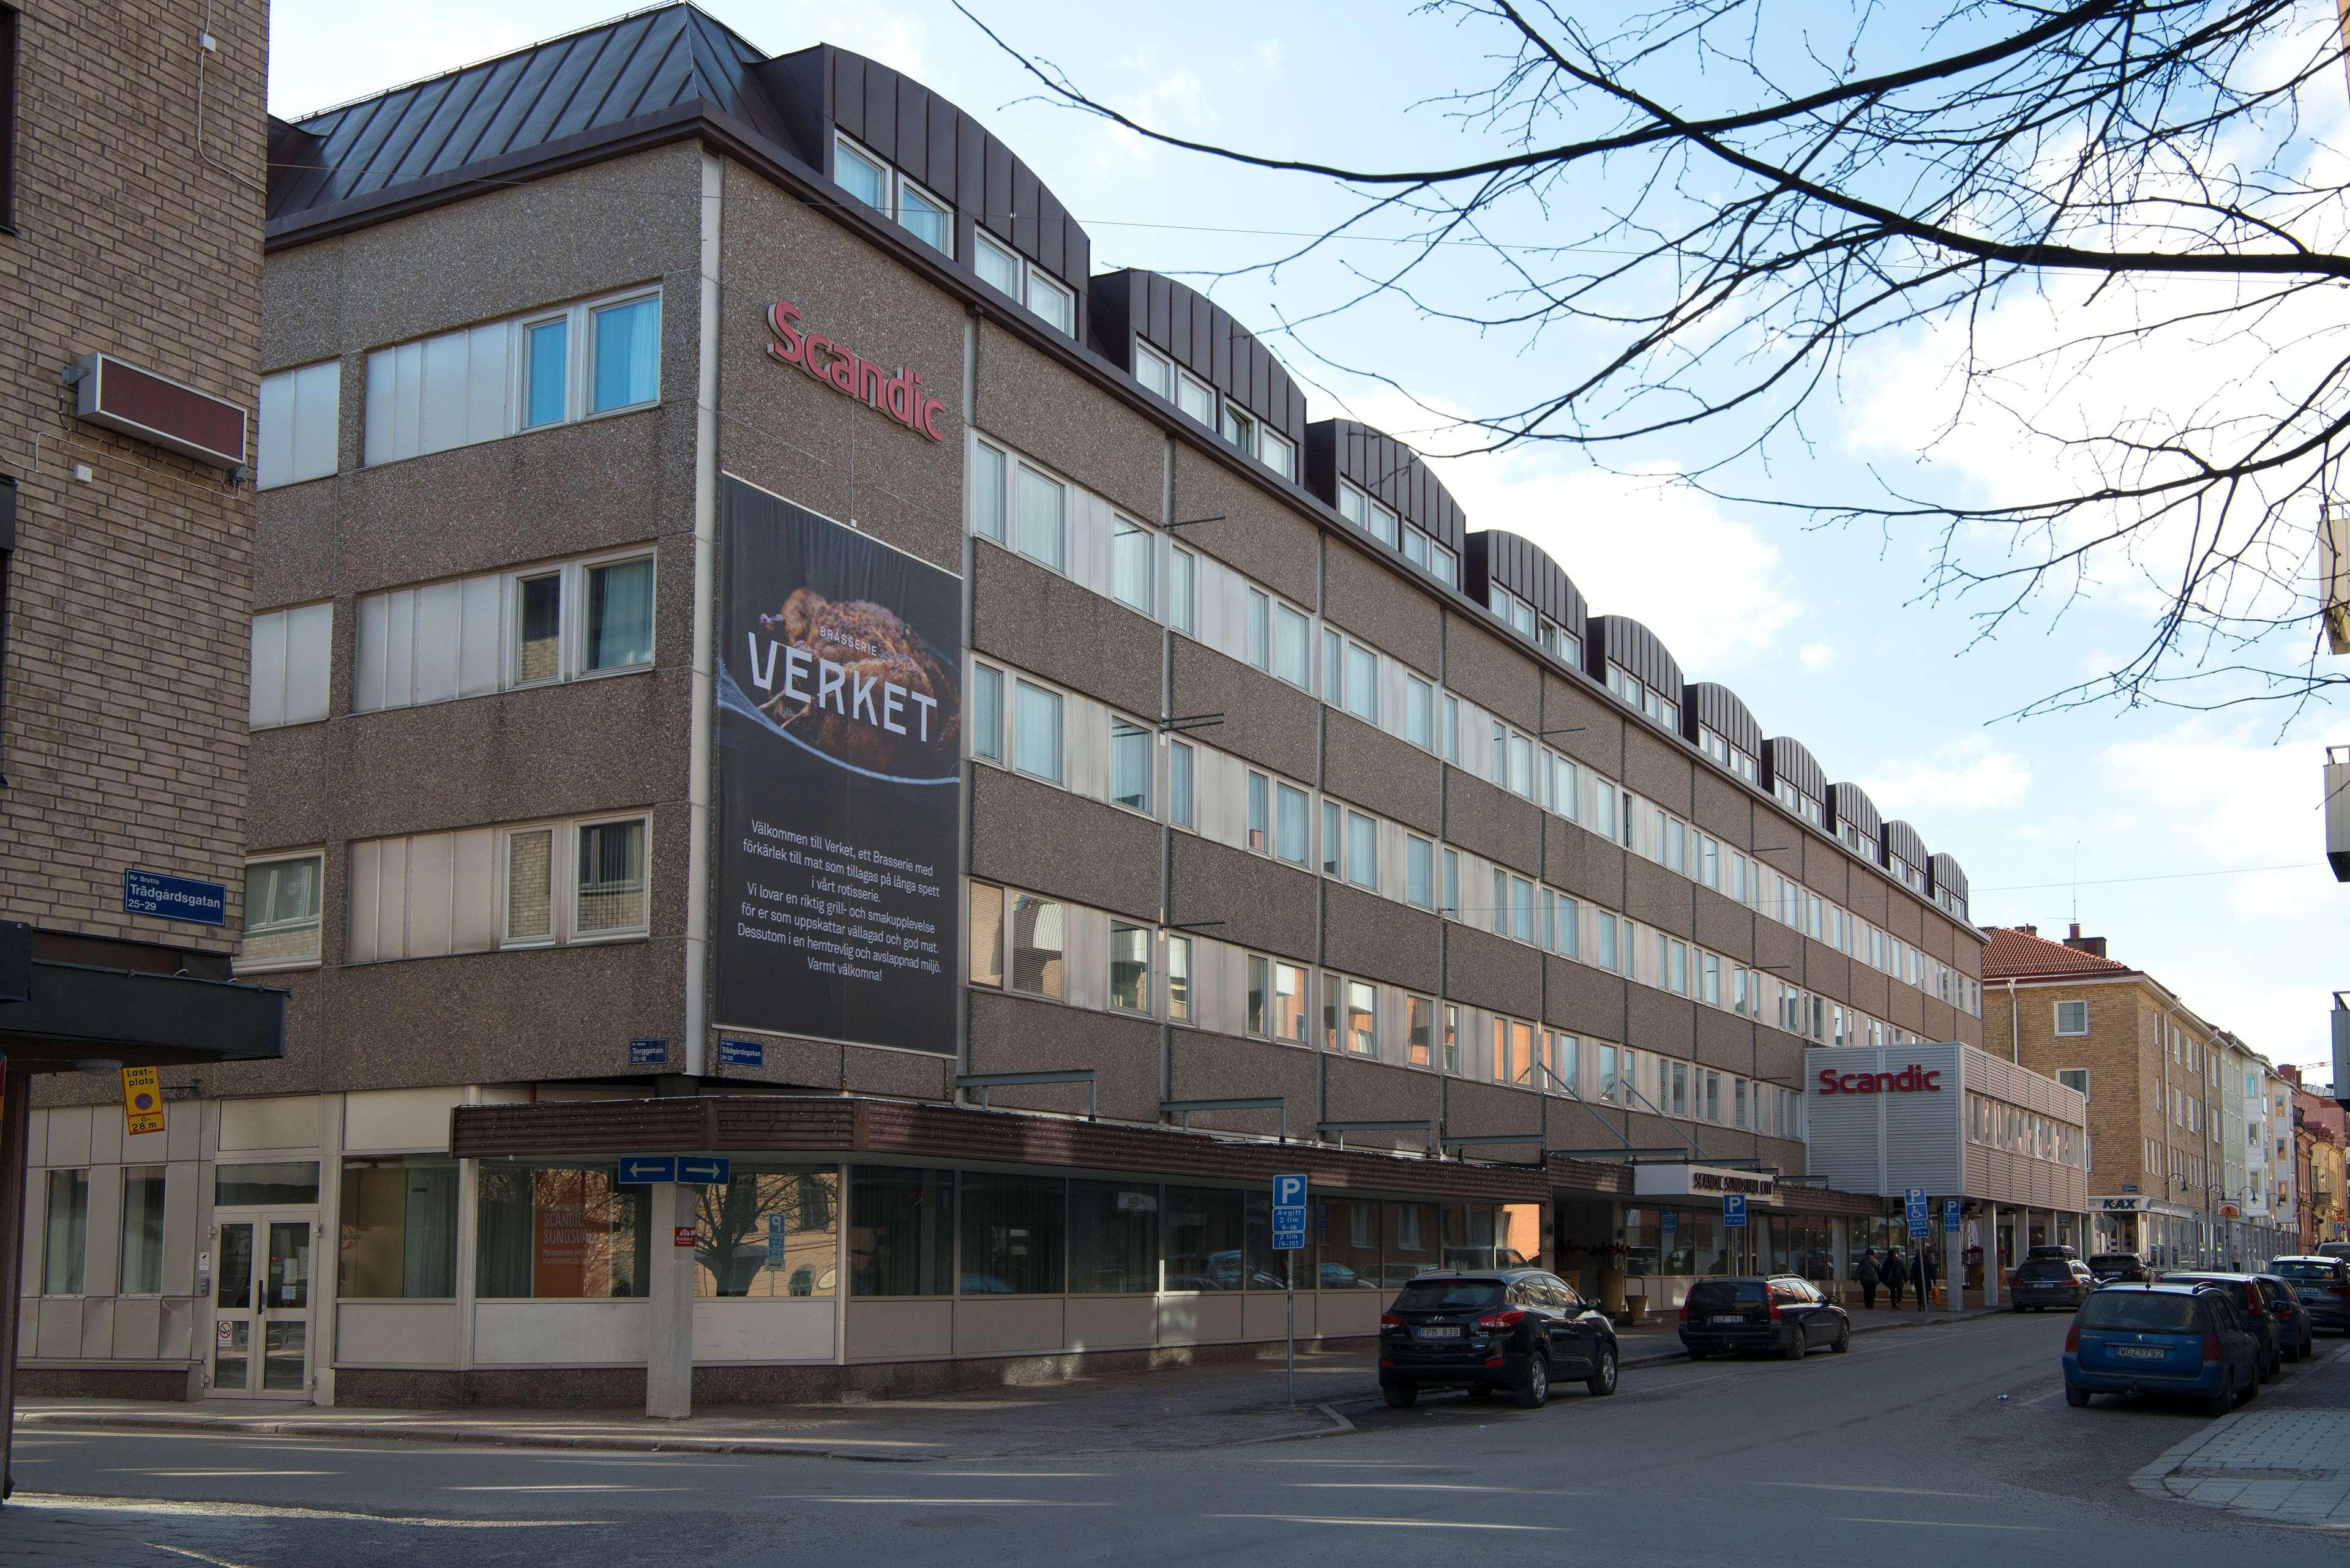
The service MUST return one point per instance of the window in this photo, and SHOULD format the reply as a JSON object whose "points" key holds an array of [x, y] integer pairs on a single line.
{"points": [[1291, 658], [1418, 713], [547, 372], [1362, 683], [1602, 814], [1452, 883], [986, 485], [1289, 1003], [495, 631], [1184, 594], [1040, 506], [863, 177], [626, 342], [1179, 979], [1607, 956], [1129, 967], [1113, 1237], [1193, 397], [1332, 850], [2072, 1018], [1240, 429], [1260, 804], [399, 1228], [999, 268], [1452, 1038], [767, 1233], [1037, 730], [1418, 1029], [1129, 767], [900, 1231], [68, 1233], [142, 1231], [1259, 1019], [1179, 765], [1039, 940], [1290, 824], [612, 887], [926, 217], [1359, 1022], [891, 193], [1362, 851], [292, 652], [281, 913], [298, 431], [1154, 370], [986, 934], [620, 630], [1259, 630], [1278, 453], [1051, 303], [1333, 668], [1419, 873], [2074, 1078], [1131, 548], [987, 713]]}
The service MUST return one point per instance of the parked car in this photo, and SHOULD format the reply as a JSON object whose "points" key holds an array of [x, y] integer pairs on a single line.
{"points": [[2062, 1251], [2250, 1298], [2295, 1328], [2108, 1267], [1518, 1329], [1781, 1312], [2324, 1287], [2334, 1248], [2161, 1338], [2040, 1283]]}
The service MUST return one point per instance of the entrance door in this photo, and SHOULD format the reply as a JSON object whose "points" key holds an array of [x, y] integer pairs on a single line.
{"points": [[260, 1315]]}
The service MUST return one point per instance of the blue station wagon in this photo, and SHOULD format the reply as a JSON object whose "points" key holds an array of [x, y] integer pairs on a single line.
{"points": [[2160, 1339]]}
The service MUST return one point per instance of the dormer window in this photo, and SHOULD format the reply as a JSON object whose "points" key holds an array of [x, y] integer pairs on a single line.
{"points": [[1437, 560], [1155, 371], [893, 195], [1240, 429], [1562, 644], [1001, 268], [1510, 609], [1639, 694]]}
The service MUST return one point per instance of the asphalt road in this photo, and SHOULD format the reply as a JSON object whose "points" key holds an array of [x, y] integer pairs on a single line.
{"points": [[1939, 1446]]}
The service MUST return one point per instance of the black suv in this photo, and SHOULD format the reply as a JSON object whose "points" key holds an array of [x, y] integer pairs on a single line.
{"points": [[2040, 1283], [1501, 1328], [2324, 1287], [1777, 1313], [2127, 1267], [2253, 1302]]}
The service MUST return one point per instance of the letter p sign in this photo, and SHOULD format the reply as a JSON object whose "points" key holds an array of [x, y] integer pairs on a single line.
{"points": [[1288, 1191]]}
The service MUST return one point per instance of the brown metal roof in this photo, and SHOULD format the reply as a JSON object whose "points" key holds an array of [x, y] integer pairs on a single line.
{"points": [[1201, 335], [1389, 472], [1526, 569]]}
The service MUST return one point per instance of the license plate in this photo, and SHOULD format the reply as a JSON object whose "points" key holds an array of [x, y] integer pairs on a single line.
{"points": [[1731, 1317], [1440, 1334], [2140, 1353]]}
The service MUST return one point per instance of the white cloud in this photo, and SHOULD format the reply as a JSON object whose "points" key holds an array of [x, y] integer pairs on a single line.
{"points": [[2225, 796], [1969, 774], [1817, 656]]}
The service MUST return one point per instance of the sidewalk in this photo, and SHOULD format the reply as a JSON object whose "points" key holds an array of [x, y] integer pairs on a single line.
{"points": [[1190, 1407], [2285, 1460]]}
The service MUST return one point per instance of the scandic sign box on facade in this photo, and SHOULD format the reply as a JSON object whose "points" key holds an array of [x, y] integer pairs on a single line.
{"points": [[839, 781]]}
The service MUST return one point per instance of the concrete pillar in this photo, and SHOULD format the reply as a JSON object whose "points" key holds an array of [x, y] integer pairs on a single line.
{"points": [[1954, 1266], [1843, 1231], [668, 1341], [1989, 1219]]}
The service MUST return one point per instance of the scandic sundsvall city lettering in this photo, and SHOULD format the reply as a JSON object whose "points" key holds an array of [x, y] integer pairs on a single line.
{"points": [[1909, 1080], [899, 396]]}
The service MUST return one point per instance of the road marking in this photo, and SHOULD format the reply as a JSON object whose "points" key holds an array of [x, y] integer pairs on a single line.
{"points": [[278, 1510], [936, 1501], [190, 1475], [1386, 1523], [1951, 1524], [1015, 1475], [1897, 1490], [567, 1486], [199, 1557], [1430, 1486]]}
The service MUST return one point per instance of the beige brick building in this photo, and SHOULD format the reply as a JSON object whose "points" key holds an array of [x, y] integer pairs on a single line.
{"points": [[2155, 1073], [132, 179]]}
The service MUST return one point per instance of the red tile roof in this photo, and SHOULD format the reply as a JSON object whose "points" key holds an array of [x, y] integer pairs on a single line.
{"points": [[2014, 954]]}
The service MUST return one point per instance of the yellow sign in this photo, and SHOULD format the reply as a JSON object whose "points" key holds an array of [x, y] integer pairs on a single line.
{"points": [[143, 1101]]}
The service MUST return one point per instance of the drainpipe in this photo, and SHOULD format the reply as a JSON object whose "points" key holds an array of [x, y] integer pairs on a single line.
{"points": [[2162, 1043], [2014, 1028]]}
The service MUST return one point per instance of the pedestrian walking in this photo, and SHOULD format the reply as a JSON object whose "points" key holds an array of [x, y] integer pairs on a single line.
{"points": [[1867, 1276], [1924, 1276], [1897, 1278]]}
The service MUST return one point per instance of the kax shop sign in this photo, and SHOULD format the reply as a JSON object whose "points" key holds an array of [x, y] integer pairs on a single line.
{"points": [[1912, 1079], [901, 396]]}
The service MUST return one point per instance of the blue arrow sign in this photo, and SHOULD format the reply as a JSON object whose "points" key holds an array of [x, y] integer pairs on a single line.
{"points": [[709, 1169], [636, 1168], [1733, 1211]]}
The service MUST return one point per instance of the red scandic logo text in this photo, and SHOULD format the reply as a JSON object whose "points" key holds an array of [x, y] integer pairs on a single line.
{"points": [[1910, 1080], [901, 397]]}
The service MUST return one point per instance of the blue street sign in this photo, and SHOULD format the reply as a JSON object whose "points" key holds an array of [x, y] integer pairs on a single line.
{"points": [[742, 1053], [1950, 1216], [648, 1053], [1733, 1211], [174, 897], [1672, 1221], [636, 1167], [777, 1230], [709, 1169], [1288, 1213], [1913, 1200]]}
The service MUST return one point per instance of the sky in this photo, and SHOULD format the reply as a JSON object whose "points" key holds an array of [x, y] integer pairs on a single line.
{"points": [[2193, 843]]}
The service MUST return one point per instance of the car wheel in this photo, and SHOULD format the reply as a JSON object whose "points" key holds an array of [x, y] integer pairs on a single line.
{"points": [[1697, 1355], [1400, 1396], [1533, 1388], [2077, 1398], [2291, 1351], [1602, 1381], [1843, 1340], [1795, 1347]]}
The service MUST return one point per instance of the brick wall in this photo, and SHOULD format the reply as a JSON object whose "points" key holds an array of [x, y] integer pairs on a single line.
{"points": [[123, 710]]}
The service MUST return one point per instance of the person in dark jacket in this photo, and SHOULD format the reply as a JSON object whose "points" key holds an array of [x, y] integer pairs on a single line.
{"points": [[1897, 1278], [1867, 1277], [1923, 1277]]}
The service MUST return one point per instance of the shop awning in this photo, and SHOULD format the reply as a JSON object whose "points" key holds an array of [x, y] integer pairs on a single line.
{"points": [[76, 1012]]}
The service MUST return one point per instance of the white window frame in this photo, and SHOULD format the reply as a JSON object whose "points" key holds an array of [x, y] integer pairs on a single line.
{"points": [[562, 891], [571, 619], [583, 357], [1164, 368], [2084, 1015], [271, 966]]}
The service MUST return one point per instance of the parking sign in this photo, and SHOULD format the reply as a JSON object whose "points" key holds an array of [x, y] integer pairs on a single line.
{"points": [[1288, 1213], [1733, 1211]]}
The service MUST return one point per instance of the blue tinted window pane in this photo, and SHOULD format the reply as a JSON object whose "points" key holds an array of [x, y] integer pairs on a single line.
{"points": [[627, 354], [550, 356]]}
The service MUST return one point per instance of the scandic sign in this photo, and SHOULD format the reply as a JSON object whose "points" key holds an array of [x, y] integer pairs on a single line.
{"points": [[1910, 1080], [844, 370]]}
